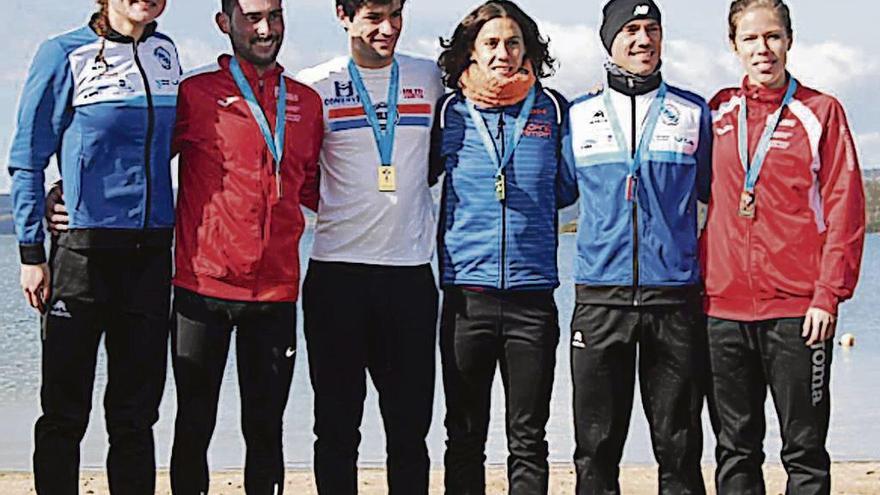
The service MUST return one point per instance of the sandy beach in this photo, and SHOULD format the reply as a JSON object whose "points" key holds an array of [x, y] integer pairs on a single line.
{"points": [[854, 478]]}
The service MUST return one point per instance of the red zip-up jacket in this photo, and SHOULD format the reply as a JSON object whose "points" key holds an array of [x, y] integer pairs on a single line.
{"points": [[803, 248], [237, 238]]}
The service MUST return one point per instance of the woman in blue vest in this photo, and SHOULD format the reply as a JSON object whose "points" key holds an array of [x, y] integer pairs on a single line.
{"points": [[497, 138], [101, 100]]}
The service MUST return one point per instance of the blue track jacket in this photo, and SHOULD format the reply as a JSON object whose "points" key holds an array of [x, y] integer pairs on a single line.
{"points": [[650, 241], [508, 244], [108, 124]]}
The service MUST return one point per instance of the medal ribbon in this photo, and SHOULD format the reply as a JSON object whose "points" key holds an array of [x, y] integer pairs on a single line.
{"points": [[521, 121], [384, 140], [274, 143], [753, 168], [634, 160]]}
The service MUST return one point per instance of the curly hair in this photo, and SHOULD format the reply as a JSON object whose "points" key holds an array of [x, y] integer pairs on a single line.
{"points": [[738, 8], [456, 55]]}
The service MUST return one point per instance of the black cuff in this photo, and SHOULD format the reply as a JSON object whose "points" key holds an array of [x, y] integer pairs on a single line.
{"points": [[32, 254]]}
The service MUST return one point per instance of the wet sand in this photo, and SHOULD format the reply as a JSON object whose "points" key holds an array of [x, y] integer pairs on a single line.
{"points": [[853, 478]]}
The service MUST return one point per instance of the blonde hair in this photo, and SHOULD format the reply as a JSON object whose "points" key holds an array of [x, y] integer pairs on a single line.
{"points": [[738, 8]]}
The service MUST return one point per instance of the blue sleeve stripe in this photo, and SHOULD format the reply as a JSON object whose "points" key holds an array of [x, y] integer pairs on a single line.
{"points": [[346, 125], [671, 158], [140, 101], [602, 159]]}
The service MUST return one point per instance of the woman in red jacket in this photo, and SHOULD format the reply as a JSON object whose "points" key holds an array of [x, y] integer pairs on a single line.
{"points": [[781, 249]]}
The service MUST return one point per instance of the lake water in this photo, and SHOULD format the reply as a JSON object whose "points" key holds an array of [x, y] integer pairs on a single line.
{"points": [[855, 430]]}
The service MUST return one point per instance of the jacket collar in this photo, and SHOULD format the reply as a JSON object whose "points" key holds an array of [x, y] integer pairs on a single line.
{"points": [[118, 37], [761, 94], [250, 72]]}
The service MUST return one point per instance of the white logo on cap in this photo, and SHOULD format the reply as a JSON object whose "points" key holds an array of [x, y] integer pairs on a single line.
{"points": [[641, 10]]}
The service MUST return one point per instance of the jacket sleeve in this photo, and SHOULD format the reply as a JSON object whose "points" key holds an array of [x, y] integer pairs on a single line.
{"points": [[436, 163], [704, 155], [310, 192], [184, 118], [566, 184], [45, 110], [566, 180], [843, 203]]}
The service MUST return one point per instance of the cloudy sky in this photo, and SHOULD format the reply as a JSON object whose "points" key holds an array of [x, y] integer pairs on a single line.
{"points": [[832, 45]]}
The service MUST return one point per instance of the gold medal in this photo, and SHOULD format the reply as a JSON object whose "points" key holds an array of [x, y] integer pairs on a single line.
{"points": [[387, 179], [747, 204], [500, 187]]}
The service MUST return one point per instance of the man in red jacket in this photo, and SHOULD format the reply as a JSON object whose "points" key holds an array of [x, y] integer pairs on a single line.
{"points": [[248, 139]]}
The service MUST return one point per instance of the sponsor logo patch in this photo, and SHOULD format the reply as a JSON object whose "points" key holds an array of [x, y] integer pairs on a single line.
{"points": [[343, 90], [413, 93], [818, 360], [670, 115], [538, 130], [724, 130], [163, 57], [59, 309], [641, 10]]}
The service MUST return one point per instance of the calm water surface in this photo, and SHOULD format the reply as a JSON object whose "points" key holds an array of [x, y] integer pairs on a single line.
{"points": [[855, 430]]}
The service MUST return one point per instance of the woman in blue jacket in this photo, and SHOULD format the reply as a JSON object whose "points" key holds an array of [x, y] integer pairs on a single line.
{"points": [[497, 138], [100, 100]]}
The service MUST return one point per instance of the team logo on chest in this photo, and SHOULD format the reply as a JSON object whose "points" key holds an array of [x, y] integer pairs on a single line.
{"points": [[343, 90], [670, 115], [163, 56]]}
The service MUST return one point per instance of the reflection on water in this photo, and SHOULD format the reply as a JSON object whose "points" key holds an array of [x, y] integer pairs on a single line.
{"points": [[855, 431]]}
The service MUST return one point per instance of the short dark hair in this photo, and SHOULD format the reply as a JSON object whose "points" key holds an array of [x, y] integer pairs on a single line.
{"points": [[350, 7], [228, 6], [456, 56]]}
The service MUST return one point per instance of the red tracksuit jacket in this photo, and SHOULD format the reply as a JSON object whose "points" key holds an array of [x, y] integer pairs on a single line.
{"points": [[236, 237], [804, 246]]}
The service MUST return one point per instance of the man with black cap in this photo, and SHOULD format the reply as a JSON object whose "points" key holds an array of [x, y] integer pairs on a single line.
{"points": [[641, 151]]}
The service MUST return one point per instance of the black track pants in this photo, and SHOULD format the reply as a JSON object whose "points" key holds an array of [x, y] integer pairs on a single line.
{"points": [[123, 294], [518, 332], [265, 344], [382, 319], [745, 359], [671, 363]]}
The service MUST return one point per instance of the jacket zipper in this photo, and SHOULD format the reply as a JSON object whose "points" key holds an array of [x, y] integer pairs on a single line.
{"points": [[151, 122], [635, 207], [503, 266]]}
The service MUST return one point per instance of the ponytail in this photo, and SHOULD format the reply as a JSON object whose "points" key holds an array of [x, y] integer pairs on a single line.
{"points": [[101, 25]]}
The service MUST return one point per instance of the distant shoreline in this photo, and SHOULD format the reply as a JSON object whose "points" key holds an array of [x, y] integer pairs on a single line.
{"points": [[852, 478]]}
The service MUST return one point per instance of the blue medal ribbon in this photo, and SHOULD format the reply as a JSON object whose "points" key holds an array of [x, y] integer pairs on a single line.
{"points": [[384, 140], [274, 143], [753, 167], [634, 160], [521, 121]]}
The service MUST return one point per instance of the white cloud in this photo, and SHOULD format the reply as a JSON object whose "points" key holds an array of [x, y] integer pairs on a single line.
{"points": [[579, 56], [868, 145], [195, 53], [832, 66]]}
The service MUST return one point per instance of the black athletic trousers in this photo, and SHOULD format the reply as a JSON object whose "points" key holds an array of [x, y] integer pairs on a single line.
{"points": [[518, 332], [265, 345], [671, 364], [123, 294], [745, 359], [382, 319]]}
